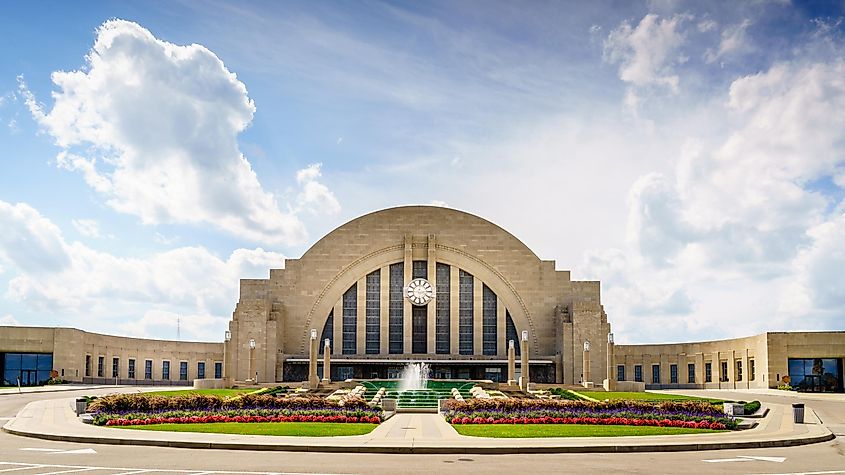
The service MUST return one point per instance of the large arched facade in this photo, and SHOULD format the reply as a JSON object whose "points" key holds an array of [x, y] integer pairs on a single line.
{"points": [[486, 288]]}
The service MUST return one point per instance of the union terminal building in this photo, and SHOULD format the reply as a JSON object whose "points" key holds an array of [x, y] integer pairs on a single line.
{"points": [[424, 284]]}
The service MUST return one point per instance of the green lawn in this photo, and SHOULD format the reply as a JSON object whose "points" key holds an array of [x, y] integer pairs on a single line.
{"points": [[302, 429], [568, 430], [211, 392], [602, 395]]}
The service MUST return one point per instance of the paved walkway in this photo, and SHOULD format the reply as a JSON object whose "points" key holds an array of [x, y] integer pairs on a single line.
{"points": [[413, 433]]}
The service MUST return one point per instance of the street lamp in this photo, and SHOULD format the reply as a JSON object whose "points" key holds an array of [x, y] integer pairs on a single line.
{"points": [[252, 360], [524, 335], [252, 343], [586, 345], [313, 333], [227, 336], [610, 338]]}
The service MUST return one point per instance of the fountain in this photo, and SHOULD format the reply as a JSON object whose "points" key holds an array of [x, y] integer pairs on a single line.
{"points": [[414, 377]]}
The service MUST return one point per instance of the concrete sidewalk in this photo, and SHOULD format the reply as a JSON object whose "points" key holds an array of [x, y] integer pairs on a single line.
{"points": [[415, 433], [55, 388]]}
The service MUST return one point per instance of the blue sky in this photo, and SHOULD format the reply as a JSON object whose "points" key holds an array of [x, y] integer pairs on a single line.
{"points": [[689, 156]]}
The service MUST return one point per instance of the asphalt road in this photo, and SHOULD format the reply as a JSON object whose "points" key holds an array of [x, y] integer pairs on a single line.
{"points": [[27, 456]]}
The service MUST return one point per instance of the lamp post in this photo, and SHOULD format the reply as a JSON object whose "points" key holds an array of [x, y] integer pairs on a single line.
{"points": [[511, 363], [327, 361], [524, 371], [586, 364], [252, 360], [312, 360], [611, 375], [227, 337]]}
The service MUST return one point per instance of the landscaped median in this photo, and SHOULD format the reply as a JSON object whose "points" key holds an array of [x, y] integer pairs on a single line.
{"points": [[689, 415], [218, 413]]}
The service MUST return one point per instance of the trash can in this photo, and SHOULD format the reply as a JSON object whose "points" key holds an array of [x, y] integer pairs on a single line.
{"points": [[798, 413], [81, 404]]}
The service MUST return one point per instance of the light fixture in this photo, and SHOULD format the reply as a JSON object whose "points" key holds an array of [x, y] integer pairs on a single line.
{"points": [[227, 336], [524, 335], [251, 343], [586, 345], [313, 333], [327, 342], [610, 338], [510, 344]]}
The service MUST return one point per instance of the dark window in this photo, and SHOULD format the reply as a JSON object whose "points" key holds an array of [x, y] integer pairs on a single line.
{"points": [[815, 374], [738, 370], [752, 371], [510, 333], [183, 371], [201, 370], [328, 332], [638, 373], [115, 367], [350, 320], [419, 328], [708, 372], [442, 308], [655, 374], [373, 312], [148, 369], [419, 270], [396, 321], [101, 361], [131, 373], [724, 376], [218, 369], [673, 374], [691, 372], [28, 369], [620, 372], [488, 321], [165, 370], [87, 365], [465, 313]]}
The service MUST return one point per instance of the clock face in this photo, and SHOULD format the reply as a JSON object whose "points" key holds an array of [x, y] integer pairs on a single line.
{"points": [[419, 291]]}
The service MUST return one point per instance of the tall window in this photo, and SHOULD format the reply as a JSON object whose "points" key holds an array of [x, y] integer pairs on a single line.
{"points": [[165, 370], [738, 370], [751, 370], [419, 270], [673, 374], [148, 369], [218, 369], [510, 332], [131, 373], [638, 373], [201, 370], [115, 367], [350, 323], [724, 376], [396, 309], [708, 372], [465, 303], [442, 308], [691, 372], [373, 312], [620, 372], [419, 329], [183, 371], [87, 365], [101, 361], [655, 374], [488, 321], [328, 332]]}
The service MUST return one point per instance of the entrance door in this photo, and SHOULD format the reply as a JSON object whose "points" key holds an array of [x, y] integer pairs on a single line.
{"points": [[28, 378]]}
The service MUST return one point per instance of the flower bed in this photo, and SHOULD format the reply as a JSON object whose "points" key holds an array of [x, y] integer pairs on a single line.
{"points": [[687, 414], [131, 409]]}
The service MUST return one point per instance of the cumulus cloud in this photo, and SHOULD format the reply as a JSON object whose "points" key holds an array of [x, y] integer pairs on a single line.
{"points": [[87, 227], [153, 126], [315, 197], [90, 286], [733, 41], [648, 52], [9, 320]]}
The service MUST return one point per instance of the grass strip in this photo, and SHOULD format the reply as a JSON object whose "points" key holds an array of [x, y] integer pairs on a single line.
{"points": [[301, 429], [637, 396], [569, 430]]}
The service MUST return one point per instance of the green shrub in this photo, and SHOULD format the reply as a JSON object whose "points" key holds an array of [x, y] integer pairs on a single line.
{"points": [[752, 407]]}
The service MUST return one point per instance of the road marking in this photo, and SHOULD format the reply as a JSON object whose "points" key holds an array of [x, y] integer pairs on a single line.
{"points": [[132, 472], [747, 458], [811, 473], [67, 471], [28, 466]]}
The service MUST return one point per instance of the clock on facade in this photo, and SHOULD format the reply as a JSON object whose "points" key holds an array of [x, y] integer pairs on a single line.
{"points": [[419, 291]]}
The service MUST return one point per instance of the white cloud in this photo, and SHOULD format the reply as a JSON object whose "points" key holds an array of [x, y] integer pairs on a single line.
{"points": [[733, 41], [648, 52], [315, 197], [440, 203], [9, 320], [87, 227], [153, 127], [94, 289]]}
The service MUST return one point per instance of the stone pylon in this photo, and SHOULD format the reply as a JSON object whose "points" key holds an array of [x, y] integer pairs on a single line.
{"points": [[511, 363], [312, 361], [327, 361], [524, 379]]}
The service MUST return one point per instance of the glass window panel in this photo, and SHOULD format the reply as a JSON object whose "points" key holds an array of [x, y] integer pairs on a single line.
{"points": [[12, 361], [419, 329], [45, 361], [691, 373], [419, 270], [218, 370], [396, 305], [373, 312], [29, 361], [183, 370], [673, 374], [638, 373], [131, 373], [201, 370], [511, 333], [465, 313], [350, 320], [443, 309], [328, 332], [620, 373], [10, 377], [42, 376], [489, 308], [148, 369]]}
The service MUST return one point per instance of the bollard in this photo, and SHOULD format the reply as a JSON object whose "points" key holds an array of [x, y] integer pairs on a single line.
{"points": [[798, 413]]}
